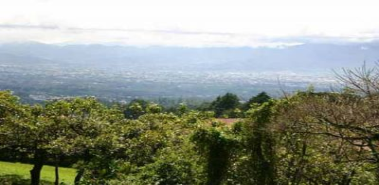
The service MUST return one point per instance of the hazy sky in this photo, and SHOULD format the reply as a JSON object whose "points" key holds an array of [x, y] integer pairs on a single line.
{"points": [[190, 22]]}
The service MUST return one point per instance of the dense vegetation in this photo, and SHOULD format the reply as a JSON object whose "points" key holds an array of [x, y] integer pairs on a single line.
{"points": [[303, 138]]}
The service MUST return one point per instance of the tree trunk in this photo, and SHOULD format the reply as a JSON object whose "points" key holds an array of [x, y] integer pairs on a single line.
{"points": [[35, 173], [79, 176], [56, 172]]}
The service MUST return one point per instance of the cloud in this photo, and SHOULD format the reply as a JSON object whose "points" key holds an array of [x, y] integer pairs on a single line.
{"points": [[54, 27], [55, 34], [144, 37], [18, 26], [189, 23]]}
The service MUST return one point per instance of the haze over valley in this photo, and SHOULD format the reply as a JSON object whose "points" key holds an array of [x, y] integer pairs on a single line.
{"points": [[37, 71]]}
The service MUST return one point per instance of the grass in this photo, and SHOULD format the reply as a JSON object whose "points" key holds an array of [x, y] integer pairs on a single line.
{"points": [[21, 173]]}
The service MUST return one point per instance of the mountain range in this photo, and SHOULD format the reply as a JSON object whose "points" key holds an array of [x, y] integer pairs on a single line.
{"points": [[301, 58]]}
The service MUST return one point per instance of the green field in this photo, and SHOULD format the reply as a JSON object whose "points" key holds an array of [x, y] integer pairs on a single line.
{"points": [[20, 172]]}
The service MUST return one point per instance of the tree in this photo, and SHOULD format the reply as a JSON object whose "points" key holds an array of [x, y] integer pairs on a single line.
{"points": [[224, 103], [84, 129], [153, 108], [61, 128], [181, 109], [135, 109], [216, 146], [260, 146], [11, 111], [158, 151], [258, 99], [23, 130]]}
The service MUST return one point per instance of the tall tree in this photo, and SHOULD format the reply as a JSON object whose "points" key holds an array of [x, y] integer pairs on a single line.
{"points": [[258, 99], [227, 102], [216, 147], [260, 145]]}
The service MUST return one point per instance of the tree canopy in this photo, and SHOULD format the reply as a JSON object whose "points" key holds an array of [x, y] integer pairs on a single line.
{"points": [[306, 137]]}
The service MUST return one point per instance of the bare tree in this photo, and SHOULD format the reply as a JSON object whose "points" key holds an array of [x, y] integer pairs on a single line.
{"points": [[362, 80]]}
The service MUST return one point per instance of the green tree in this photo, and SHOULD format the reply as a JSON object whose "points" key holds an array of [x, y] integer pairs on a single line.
{"points": [[153, 108], [227, 102], [258, 99], [23, 130], [260, 145], [135, 109], [182, 109], [216, 146]]}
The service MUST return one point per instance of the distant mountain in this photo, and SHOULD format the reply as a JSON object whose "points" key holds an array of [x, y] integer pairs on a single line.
{"points": [[306, 57], [15, 59]]}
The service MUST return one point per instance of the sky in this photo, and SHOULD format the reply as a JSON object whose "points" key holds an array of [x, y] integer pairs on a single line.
{"points": [[190, 23]]}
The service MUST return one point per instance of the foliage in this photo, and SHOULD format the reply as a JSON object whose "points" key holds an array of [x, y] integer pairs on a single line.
{"points": [[135, 109], [258, 99], [222, 104], [304, 138], [215, 145]]}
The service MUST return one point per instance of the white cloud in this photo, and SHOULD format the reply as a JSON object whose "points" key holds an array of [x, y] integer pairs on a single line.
{"points": [[189, 23]]}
